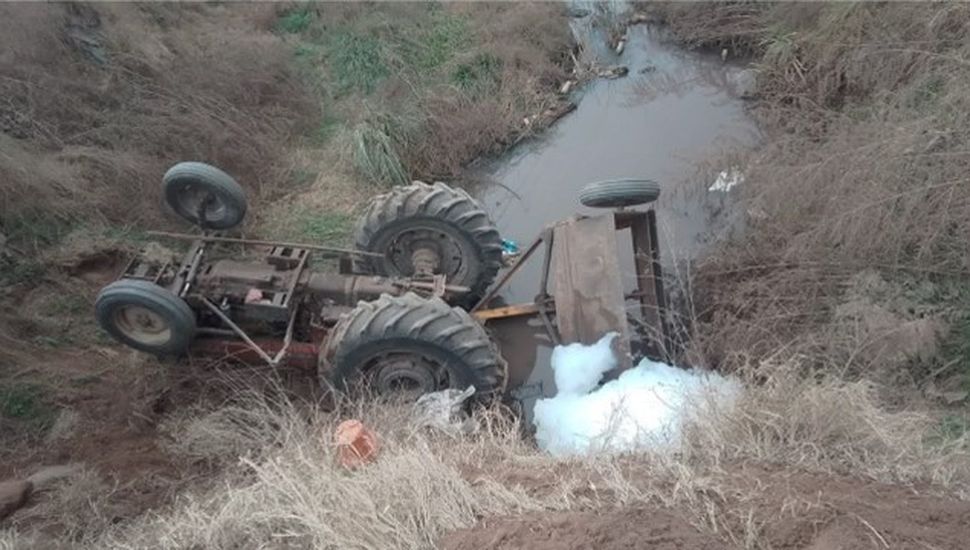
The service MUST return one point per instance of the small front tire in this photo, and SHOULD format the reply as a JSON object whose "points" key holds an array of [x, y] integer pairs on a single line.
{"points": [[146, 317], [204, 195], [619, 193]]}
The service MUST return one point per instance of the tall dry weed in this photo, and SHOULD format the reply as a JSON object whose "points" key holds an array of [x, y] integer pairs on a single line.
{"points": [[824, 423]]}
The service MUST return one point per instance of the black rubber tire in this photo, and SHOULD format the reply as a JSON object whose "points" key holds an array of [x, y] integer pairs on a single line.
{"points": [[452, 211], [228, 206], [410, 323], [176, 314], [619, 193]]}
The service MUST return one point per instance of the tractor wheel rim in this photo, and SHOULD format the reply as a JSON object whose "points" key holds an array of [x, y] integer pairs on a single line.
{"points": [[449, 251], [407, 374], [142, 325], [197, 201]]}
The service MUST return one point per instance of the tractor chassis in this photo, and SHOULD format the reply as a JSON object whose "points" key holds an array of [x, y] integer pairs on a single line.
{"points": [[272, 309], [580, 295]]}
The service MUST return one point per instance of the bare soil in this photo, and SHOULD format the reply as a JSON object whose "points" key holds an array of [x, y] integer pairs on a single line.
{"points": [[621, 528], [779, 508], [118, 397]]}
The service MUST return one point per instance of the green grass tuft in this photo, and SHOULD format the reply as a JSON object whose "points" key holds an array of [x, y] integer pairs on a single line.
{"points": [[953, 427], [295, 21], [17, 271], [447, 35], [25, 403], [326, 130], [325, 227], [356, 62], [480, 76], [927, 94], [375, 154], [36, 230]]}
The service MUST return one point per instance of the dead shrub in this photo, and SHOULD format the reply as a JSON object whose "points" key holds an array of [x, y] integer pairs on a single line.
{"points": [[77, 508], [412, 494]]}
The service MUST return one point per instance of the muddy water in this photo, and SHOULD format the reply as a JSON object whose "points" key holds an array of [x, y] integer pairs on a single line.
{"points": [[674, 110]]}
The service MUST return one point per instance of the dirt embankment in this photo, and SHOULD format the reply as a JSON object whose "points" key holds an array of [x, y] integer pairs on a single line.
{"points": [[99, 99], [783, 510], [860, 177], [606, 529], [320, 101]]}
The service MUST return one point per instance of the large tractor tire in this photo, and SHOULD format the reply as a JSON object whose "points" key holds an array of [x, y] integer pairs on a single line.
{"points": [[204, 195], [146, 317], [408, 345], [436, 217]]}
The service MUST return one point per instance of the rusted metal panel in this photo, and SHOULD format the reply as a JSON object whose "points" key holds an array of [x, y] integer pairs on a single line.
{"points": [[649, 277], [298, 354], [658, 284], [643, 248], [518, 339], [587, 285]]}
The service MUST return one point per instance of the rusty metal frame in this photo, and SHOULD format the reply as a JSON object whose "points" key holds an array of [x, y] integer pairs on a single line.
{"points": [[541, 305], [208, 238], [649, 293], [646, 260], [504, 312], [643, 227], [238, 331], [659, 294], [543, 299], [504, 279]]}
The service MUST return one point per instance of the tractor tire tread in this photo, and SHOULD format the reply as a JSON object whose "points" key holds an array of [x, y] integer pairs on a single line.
{"points": [[439, 201], [428, 320]]}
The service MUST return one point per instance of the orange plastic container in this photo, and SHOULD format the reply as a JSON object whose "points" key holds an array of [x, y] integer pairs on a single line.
{"points": [[356, 444]]}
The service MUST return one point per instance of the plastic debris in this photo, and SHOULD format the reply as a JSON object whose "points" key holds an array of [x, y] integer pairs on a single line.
{"points": [[357, 444], [726, 180], [510, 252], [444, 411]]}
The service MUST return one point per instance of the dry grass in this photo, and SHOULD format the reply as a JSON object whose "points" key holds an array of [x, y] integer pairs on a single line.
{"points": [[98, 100], [292, 487], [282, 484], [862, 167], [514, 77], [824, 423]]}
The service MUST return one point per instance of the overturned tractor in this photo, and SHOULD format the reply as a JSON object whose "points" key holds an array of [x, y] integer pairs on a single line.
{"points": [[410, 309]]}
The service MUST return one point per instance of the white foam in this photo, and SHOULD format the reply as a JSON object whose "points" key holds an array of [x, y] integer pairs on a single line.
{"points": [[644, 408]]}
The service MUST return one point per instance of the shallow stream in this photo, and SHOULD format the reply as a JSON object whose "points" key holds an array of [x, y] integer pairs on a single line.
{"points": [[675, 111]]}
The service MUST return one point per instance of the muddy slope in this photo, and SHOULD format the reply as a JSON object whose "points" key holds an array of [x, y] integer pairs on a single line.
{"points": [[779, 509]]}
